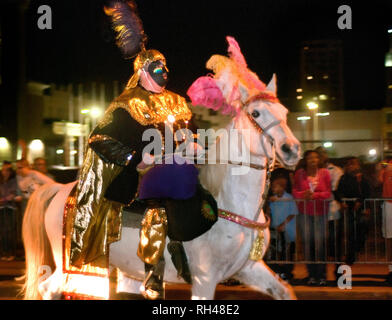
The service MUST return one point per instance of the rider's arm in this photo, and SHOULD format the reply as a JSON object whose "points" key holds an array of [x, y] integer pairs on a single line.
{"points": [[117, 142]]}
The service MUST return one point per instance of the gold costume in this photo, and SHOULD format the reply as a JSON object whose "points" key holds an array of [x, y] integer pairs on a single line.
{"points": [[149, 108], [108, 179], [97, 221]]}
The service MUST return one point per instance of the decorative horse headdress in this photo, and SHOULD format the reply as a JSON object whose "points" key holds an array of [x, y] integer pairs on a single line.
{"points": [[232, 86]]}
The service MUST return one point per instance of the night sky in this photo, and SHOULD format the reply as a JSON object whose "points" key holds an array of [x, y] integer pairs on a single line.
{"points": [[80, 47]]}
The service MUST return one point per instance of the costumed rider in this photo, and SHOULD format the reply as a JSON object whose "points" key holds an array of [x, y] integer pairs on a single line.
{"points": [[116, 172]]}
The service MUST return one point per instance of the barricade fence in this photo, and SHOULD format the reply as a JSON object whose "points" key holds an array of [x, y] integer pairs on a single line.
{"points": [[353, 231]]}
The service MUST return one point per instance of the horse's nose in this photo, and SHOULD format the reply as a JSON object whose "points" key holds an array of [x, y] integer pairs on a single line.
{"points": [[286, 148]]}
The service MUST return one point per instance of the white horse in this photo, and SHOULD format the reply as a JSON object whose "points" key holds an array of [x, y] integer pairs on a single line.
{"points": [[219, 254]]}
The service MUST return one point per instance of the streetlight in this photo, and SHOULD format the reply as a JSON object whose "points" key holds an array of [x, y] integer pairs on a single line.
{"points": [[36, 149], [328, 144], [313, 106], [95, 112], [4, 144], [5, 148]]}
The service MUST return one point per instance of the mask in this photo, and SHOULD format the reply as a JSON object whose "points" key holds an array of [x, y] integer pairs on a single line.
{"points": [[158, 72]]}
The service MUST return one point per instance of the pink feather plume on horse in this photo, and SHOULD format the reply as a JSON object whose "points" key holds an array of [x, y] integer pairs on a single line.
{"points": [[205, 92]]}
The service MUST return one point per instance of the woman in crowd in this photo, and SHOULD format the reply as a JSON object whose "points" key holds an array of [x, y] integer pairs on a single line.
{"points": [[312, 185]]}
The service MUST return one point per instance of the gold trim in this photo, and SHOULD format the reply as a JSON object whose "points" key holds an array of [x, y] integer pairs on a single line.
{"points": [[149, 108]]}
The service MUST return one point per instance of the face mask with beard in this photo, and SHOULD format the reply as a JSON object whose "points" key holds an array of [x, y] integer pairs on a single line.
{"points": [[158, 72]]}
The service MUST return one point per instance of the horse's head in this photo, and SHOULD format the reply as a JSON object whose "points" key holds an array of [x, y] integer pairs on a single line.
{"points": [[266, 118], [234, 89]]}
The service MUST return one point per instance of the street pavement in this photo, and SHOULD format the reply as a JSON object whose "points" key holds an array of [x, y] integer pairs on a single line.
{"points": [[367, 284]]}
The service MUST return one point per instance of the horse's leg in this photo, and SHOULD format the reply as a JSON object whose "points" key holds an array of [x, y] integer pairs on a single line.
{"points": [[203, 267], [203, 289], [260, 277], [127, 284]]}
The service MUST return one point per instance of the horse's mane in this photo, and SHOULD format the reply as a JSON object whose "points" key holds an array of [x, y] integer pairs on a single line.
{"points": [[212, 175]]}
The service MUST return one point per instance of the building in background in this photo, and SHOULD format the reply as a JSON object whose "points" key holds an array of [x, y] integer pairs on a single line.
{"points": [[320, 75], [388, 72], [56, 120], [387, 114], [343, 133]]}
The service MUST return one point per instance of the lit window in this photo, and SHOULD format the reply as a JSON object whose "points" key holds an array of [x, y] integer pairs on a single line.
{"points": [[299, 97], [299, 90], [309, 77], [328, 144], [304, 118], [325, 77], [323, 97]]}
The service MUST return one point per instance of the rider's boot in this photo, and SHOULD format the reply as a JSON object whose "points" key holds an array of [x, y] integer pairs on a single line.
{"points": [[151, 246], [153, 287], [179, 259]]}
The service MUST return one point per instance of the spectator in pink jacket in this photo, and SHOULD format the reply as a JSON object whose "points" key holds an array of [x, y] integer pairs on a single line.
{"points": [[312, 188]]}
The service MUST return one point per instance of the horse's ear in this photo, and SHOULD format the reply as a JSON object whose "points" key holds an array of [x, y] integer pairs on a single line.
{"points": [[272, 85], [243, 92]]}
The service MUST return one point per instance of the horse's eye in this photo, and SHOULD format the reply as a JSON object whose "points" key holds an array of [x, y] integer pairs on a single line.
{"points": [[255, 114]]}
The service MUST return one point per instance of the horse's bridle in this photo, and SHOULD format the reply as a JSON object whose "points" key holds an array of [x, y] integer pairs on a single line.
{"points": [[258, 245], [270, 161]]}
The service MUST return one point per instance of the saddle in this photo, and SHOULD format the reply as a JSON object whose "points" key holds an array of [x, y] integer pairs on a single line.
{"points": [[187, 220]]}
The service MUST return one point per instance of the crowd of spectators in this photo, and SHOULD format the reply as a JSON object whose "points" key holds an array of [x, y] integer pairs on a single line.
{"points": [[17, 182], [318, 210]]}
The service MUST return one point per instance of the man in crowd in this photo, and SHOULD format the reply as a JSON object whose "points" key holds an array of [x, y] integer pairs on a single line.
{"points": [[40, 165]]}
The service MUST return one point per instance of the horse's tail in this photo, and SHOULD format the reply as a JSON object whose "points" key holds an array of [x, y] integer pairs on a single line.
{"points": [[37, 246]]}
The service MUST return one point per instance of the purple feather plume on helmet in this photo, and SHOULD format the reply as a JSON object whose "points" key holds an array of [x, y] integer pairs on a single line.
{"points": [[130, 36]]}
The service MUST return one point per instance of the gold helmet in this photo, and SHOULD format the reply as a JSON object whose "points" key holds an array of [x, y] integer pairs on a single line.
{"points": [[144, 58]]}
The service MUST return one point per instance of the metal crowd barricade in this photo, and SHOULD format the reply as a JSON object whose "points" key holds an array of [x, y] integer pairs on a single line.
{"points": [[355, 236]]}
